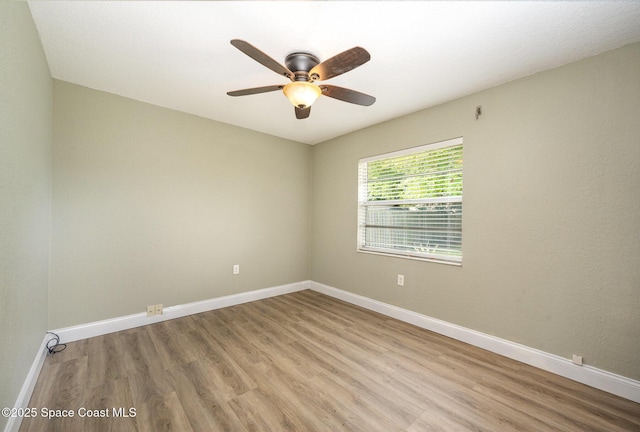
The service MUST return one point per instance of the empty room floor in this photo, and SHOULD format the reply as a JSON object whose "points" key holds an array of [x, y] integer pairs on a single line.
{"points": [[307, 362]]}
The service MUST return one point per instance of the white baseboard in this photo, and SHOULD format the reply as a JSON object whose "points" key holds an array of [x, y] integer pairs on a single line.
{"points": [[13, 424], [98, 328], [591, 376]]}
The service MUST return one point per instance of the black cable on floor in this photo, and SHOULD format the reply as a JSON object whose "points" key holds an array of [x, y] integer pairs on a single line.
{"points": [[54, 345]]}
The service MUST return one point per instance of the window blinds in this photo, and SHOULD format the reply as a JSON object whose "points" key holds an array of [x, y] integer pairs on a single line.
{"points": [[410, 202]]}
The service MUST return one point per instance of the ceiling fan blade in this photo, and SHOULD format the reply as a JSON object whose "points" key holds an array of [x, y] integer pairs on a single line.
{"points": [[255, 90], [261, 58], [302, 113], [339, 64], [347, 95]]}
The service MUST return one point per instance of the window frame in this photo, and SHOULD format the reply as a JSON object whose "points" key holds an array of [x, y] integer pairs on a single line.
{"points": [[363, 203]]}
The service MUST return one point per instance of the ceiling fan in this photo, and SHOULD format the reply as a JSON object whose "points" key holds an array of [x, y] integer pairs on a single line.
{"points": [[304, 69]]}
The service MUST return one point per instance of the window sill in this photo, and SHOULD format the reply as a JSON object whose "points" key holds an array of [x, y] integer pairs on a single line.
{"points": [[411, 257]]}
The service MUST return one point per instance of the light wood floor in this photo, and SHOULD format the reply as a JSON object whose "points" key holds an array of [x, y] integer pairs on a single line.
{"points": [[307, 362]]}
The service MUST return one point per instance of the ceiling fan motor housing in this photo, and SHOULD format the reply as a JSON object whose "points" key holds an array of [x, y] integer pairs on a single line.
{"points": [[300, 63]]}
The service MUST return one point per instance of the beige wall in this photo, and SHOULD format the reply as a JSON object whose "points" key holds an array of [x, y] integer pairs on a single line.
{"points": [[154, 206], [551, 229], [25, 181]]}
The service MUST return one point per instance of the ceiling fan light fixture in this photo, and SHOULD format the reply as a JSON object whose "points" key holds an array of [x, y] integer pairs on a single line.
{"points": [[301, 93]]}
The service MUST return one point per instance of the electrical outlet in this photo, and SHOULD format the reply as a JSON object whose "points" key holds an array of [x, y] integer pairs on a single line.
{"points": [[151, 310], [236, 269], [401, 280], [577, 360], [159, 309]]}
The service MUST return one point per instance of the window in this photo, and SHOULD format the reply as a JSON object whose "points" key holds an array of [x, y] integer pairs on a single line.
{"points": [[410, 203]]}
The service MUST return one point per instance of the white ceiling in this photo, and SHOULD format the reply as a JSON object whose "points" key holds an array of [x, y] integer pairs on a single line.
{"points": [[177, 54]]}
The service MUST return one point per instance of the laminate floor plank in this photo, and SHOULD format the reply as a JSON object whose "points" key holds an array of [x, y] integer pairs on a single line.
{"points": [[307, 362], [364, 415], [110, 402], [365, 379], [584, 399], [261, 323], [107, 363], [283, 354], [283, 392], [147, 376], [206, 409], [229, 338], [163, 414], [170, 340], [340, 350], [258, 413]]}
